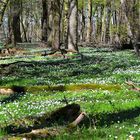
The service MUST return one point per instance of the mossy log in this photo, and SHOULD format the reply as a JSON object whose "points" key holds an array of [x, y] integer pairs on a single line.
{"points": [[76, 87], [61, 116]]}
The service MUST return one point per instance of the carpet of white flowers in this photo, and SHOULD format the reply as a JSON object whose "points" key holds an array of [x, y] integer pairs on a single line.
{"points": [[98, 66]]}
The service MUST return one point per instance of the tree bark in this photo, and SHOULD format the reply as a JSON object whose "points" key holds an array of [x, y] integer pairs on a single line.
{"points": [[134, 36], [107, 36], [44, 21], [82, 33], [73, 26], [3, 5], [15, 8], [89, 22], [100, 11]]}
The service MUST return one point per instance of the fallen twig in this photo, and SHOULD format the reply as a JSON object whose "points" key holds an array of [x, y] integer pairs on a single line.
{"points": [[77, 121], [133, 86]]}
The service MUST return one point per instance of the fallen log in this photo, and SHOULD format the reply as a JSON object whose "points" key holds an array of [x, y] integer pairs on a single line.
{"points": [[12, 90], [45, 133], [39, 134], [74, 87], [61, 116], [64, 114]]}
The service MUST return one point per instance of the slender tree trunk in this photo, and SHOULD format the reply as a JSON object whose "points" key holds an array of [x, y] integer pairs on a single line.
{"points": [[61, 21], [107, 36], [89, 22], [22, 25], [103, 25], [100, 11], [57, 26], [44, 21], [115, 24], [83, 22]]}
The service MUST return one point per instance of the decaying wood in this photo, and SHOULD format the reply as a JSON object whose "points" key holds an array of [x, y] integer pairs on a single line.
{"points": [[57, 53], [45, 133], [61, 116], [77, 121], [133, 86], [40, 133], [11, 51], [6, 91], [12, 90], [67, 113]]}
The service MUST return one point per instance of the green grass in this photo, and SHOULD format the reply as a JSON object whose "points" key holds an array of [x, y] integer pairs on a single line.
{"points": [[120, 131], [115, 111], [96, 68]]}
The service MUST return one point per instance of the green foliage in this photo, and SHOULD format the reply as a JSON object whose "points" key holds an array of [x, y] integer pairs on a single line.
{"points": [[99, 2], [81, 4], [1, 44]]}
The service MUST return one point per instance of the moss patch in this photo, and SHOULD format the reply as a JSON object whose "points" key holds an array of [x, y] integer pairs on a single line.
{"points": [[76, 87]]}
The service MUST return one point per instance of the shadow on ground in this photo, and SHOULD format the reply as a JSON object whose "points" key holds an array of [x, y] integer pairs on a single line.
{"points": [[107, 119]]}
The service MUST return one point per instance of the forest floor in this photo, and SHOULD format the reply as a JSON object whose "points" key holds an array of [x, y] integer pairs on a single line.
{"points": [[100, 83]]}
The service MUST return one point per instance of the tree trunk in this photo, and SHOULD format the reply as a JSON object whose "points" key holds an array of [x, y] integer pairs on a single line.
{"points": [[108, 18], [15, 8], [132, 35], [100, 11], [54, 25], [44, 21], [3, 5], [136, 25], [103, 25], [73, 26], [89, 22], [83, 22], [115, 24]]}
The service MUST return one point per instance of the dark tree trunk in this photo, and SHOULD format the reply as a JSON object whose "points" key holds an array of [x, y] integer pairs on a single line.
{"points": [[83, 23], [108, 22], [15, 9], [44, 21]]}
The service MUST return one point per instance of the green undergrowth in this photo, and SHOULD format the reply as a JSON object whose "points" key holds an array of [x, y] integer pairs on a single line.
{"points": [[95, 67], [106, 107], [96, 83], [119, 131]]}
